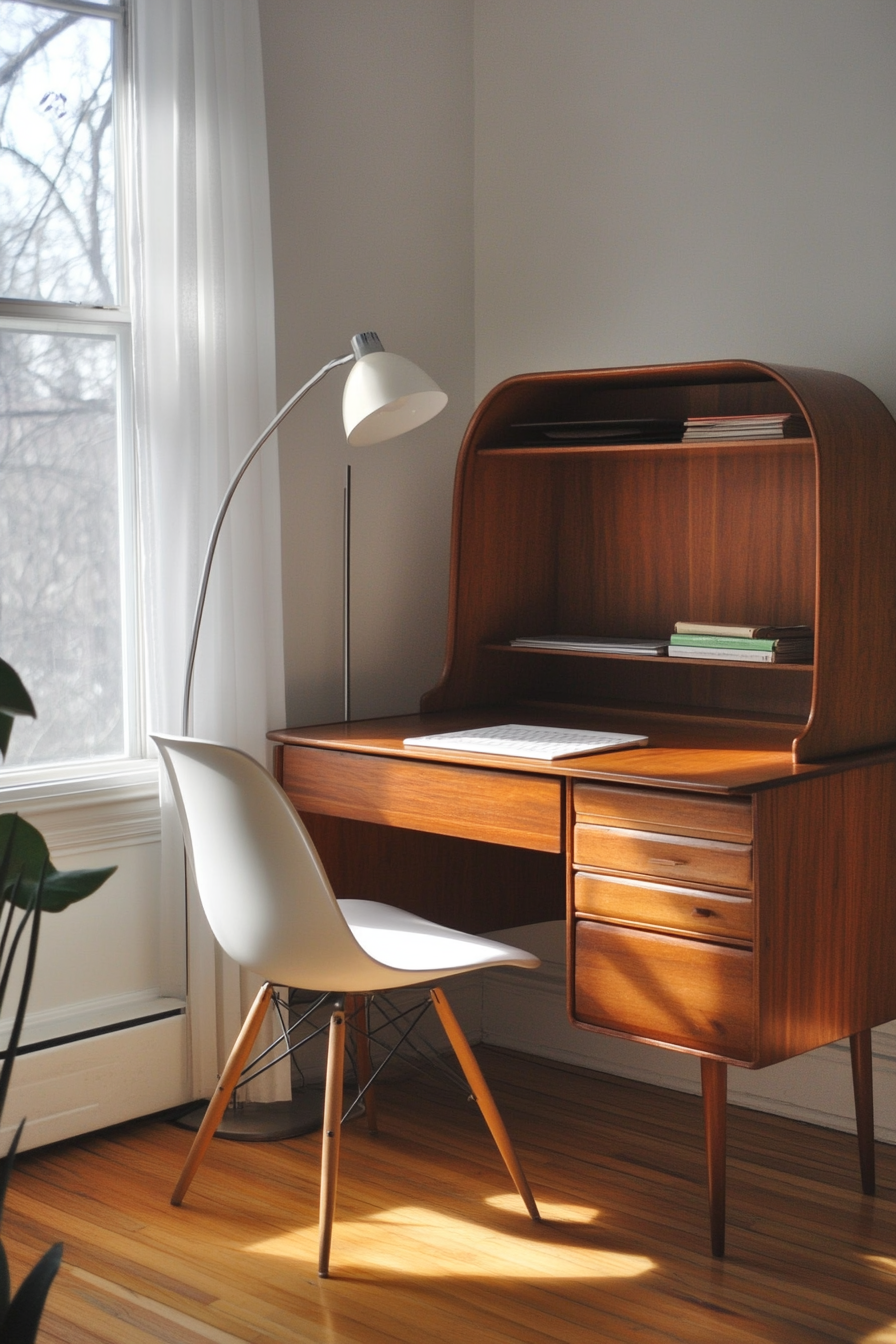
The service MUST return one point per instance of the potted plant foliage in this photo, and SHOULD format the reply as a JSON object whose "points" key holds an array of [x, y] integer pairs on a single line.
{"points": [[29, 887]]}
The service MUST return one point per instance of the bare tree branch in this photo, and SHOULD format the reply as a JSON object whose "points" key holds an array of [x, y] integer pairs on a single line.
{"points": [[9, 71]]}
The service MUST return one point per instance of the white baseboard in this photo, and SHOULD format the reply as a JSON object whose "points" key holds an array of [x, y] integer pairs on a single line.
{"points": [[89, 1016], [526, 1011], [72, 1089]]}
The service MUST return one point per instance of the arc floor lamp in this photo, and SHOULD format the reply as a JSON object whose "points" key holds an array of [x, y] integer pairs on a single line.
{"points": [[385, 395]]}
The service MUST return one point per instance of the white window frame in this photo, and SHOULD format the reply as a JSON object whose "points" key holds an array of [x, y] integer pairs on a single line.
{"points": [[131, 776]]}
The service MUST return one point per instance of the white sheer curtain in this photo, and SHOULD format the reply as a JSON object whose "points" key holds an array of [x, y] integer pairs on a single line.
{"points": [[204, 360]]}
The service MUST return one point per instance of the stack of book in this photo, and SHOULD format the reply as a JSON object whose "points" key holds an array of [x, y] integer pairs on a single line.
{"points": [[742, 643], [699, 428]]}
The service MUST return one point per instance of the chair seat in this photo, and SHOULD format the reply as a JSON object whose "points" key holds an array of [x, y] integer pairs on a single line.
{"points": [[407, 943]]}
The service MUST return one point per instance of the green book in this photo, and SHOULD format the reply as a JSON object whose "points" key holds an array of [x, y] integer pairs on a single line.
{"points": [[734, 642]]}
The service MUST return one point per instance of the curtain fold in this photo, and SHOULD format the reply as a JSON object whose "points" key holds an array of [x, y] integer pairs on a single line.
{"points": [[205, 388]]}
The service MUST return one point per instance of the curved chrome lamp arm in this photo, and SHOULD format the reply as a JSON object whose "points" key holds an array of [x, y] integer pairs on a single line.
{"points": [[222, 513]]}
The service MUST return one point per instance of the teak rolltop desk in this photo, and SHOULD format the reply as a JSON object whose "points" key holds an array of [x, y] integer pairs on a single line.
{"points": [[728, 887]]}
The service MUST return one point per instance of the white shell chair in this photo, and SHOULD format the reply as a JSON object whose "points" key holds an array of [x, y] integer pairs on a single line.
{"points": [[271, 907]]}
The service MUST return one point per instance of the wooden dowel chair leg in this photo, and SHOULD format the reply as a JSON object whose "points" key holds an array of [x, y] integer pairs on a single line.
{"points": [[863, 1090], [329, 1165], [484, 1099], [226, 1083], [715, 1116], [356, 1012]]}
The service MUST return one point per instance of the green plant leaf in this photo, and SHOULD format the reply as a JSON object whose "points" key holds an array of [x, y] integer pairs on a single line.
{"points": [[27, 856], [14, 699], [22, 1320]]}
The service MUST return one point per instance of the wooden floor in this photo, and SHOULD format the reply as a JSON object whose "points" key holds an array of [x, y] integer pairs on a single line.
{"points": [[432, 1247]]}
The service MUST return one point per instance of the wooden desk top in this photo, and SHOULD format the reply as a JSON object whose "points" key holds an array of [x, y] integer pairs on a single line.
{"points": [[703, 757]]}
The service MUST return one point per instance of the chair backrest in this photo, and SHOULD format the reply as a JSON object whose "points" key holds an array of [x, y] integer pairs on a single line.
{"points": [[262, 885]]}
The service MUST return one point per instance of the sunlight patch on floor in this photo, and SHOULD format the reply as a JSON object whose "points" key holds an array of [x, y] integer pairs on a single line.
{"points": [[886, 1334], [418, 1241]]}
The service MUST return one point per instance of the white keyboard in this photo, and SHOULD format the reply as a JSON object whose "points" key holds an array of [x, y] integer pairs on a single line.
{"points": [[534, 743]]}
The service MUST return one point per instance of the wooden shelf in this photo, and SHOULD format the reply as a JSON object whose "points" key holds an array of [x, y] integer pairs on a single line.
{"points": [[659, 659], [714, 447]]}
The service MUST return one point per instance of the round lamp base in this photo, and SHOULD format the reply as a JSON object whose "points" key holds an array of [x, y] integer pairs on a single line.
{"points": [[264, 1121]]}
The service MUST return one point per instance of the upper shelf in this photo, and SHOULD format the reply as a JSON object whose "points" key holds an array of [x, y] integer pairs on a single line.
{"points": [[714, 447]]}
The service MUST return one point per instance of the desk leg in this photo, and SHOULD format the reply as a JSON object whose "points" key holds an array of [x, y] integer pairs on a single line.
{"points": [[715, 1096], [863, 1089]]}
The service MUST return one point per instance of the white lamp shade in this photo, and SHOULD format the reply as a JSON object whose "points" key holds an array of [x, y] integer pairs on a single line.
{"points": [[386, 395]]}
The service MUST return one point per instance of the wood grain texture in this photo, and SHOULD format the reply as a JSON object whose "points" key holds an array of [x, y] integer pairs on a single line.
{"points": [[685, 858], [855, 439], [676, 991], [482, 1095], [473, 804], [677, 813], [692, 752], [331, 1139], [825, 854], [704, 914], [430, 1245], [863, 1091], [236, 1062], [714, 1080]]}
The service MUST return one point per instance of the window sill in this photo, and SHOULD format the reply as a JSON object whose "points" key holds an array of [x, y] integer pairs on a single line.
{"points": [[107, 805]]}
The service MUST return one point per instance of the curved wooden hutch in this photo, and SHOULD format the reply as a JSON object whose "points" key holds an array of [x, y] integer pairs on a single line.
{"points": [[608, 540]]}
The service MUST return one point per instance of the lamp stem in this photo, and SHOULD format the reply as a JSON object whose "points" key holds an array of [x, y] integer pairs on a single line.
{"points": [[219, 521], [347, 595]]}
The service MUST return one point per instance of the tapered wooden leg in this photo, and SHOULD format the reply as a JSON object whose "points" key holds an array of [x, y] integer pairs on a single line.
{"points": [[356, 1007], [329, 1165], [863, 1088], [484, 1099], [226, 1083], [715, 1119]]}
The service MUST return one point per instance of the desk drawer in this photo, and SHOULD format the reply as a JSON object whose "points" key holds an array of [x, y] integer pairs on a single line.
{"points": [[679, 858], [497, 806], [675, 813], [674, 991], [706, 914]]}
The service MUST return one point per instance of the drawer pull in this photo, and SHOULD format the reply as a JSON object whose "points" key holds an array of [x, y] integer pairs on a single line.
{"points": [[704, 913], [668, 863]]}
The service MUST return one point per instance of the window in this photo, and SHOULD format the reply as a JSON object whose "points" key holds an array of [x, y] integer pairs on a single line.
{"points": [[67, 530]]}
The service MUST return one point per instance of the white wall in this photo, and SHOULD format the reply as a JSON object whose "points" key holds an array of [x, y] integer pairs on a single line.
{"points": [[686, 179], [370, 142]]}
